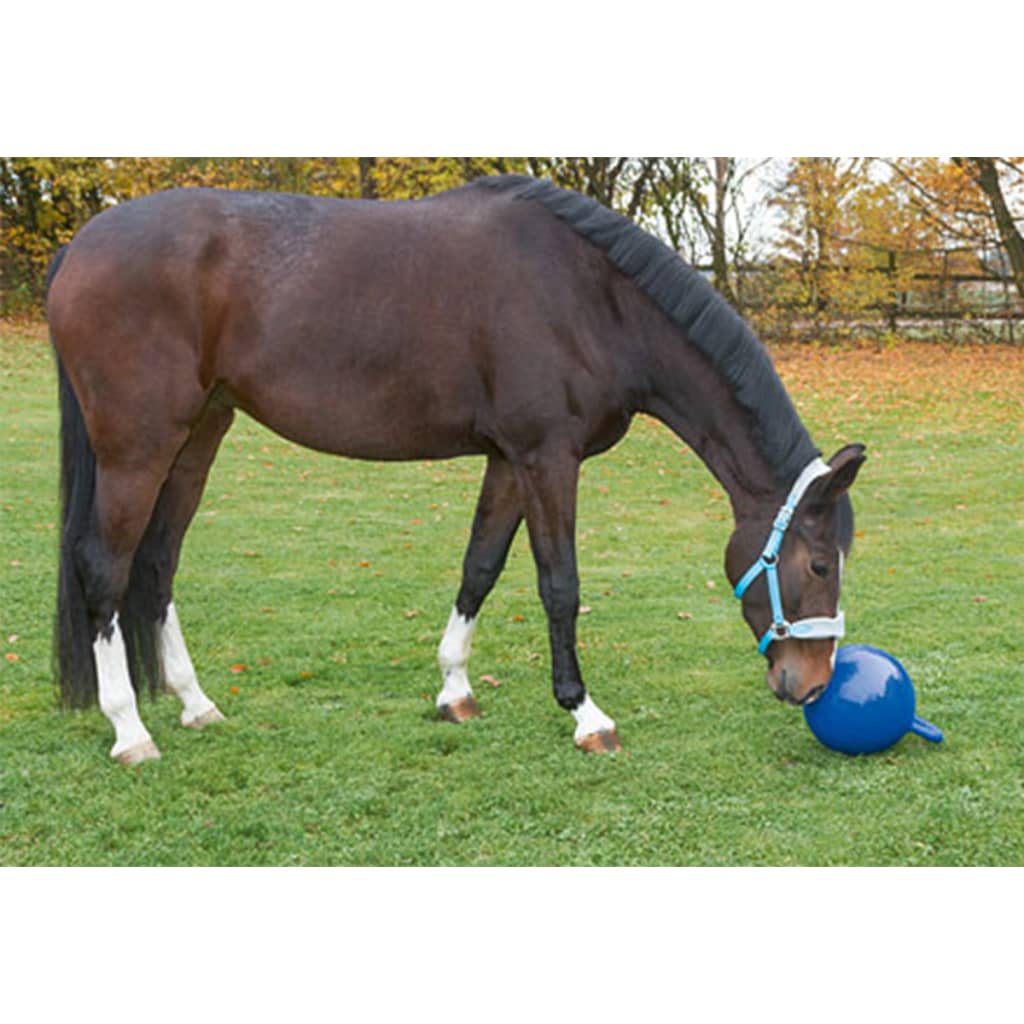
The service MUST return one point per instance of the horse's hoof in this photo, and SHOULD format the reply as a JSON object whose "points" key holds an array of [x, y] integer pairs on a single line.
{"points": [[206, 718], [460, 711], [604, 742], [144, 751]]}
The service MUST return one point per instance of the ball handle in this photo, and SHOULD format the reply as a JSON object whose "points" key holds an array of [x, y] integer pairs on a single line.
{"points": [[930, 732]]}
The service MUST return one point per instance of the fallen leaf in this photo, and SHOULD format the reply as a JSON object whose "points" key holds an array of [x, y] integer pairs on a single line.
{"points": [[980, 599], [585, 609], [237, 669], [491, 681], [685, 615], [13, 638], [235, 690], [364, 564], [11, 656], [710, 584], [411, 613], [518, 618]]}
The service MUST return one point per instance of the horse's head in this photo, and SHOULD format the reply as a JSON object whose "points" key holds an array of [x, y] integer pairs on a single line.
{"points": [[798, 625]]}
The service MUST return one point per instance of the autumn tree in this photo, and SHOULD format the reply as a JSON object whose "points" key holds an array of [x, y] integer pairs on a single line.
{"points": [[43, 201], [984, 171], [416, 177]]}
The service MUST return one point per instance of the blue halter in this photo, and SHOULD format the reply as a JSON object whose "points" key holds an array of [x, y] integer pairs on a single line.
{"points": [[768, 563]]}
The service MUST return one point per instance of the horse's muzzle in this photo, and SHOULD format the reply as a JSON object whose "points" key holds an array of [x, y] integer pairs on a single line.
{"points": [[800, 670]]}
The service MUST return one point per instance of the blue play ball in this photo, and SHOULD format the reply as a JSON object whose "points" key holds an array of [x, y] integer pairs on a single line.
{"points": [[868, 704]]}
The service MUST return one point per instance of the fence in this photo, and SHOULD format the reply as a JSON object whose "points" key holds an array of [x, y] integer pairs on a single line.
{"points": [[779, 300]]}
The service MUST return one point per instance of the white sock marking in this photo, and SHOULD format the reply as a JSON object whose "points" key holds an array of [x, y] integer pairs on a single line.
{"points": [[453, 656], [117, 698], [590, 719], [176, 668]]}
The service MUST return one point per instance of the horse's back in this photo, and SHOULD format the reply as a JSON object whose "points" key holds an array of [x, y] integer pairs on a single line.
{"points": [[422, 326]]}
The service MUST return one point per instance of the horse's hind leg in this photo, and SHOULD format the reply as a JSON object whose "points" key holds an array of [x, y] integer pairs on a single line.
{"points": [[498, 514], [548, 485], [125, 495], [159, 553]]}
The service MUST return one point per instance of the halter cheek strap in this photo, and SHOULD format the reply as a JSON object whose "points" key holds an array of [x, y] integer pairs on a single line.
{"points": [[768, 563]]}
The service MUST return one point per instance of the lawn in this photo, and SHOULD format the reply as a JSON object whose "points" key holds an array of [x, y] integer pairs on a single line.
{"points": [[313, 592]]}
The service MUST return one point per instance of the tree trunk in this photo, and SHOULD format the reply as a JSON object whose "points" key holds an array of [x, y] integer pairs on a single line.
{"points": [[367, 179], [719, 250], [987, 178]]}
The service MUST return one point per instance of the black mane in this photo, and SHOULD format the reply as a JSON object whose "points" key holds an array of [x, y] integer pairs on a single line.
{"points": [[693, 305]]}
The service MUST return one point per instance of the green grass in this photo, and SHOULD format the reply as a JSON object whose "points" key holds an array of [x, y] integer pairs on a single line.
{"points": [[330, 581]]}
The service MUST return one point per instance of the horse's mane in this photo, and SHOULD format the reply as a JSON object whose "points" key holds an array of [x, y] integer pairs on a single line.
{"points": [[694, 306]]}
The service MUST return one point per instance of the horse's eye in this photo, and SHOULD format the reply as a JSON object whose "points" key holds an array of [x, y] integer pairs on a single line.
{"points": [[819, 569]]}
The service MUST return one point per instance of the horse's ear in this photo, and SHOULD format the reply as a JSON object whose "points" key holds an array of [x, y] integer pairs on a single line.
{"points": [[845, 465]]}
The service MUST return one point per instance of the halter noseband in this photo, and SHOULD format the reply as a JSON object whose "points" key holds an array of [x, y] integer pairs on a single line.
{"points": [[768, 563]]}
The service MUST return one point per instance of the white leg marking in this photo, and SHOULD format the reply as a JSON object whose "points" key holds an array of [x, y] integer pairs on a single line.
{"points": [[590, 719], [177, 671], [453, 656], [117, 698]]}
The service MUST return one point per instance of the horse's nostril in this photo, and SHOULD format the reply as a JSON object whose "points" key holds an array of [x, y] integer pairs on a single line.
{"points": [[782, 691]]}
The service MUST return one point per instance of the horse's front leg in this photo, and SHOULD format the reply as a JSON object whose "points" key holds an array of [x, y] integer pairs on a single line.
{"points": [[548, 486]]}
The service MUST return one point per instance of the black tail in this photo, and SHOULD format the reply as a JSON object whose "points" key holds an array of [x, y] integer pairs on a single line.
{"points": [[74, 629]]}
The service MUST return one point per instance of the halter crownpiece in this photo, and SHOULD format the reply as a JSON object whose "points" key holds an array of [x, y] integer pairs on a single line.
{"points": [[768, 563]]}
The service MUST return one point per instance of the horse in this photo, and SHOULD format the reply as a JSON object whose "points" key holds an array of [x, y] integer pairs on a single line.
{"points": [[508, 318]]}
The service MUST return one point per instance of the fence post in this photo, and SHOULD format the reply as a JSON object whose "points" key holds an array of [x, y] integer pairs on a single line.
{"points": [[894, 303]]}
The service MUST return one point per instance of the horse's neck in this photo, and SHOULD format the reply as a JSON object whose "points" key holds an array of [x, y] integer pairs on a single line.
{"points": [[690, 396]]}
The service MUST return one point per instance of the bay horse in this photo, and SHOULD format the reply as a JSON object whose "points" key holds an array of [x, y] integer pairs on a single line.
{"points": [[508, 318]]}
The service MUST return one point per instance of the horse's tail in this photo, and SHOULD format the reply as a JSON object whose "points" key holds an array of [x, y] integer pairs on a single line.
{"points": [[73, 656]]}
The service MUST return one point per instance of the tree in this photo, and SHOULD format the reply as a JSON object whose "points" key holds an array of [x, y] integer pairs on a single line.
{"points": [[832, 260], [984, 171], [621, 182], [43, 201], [701, 205]]}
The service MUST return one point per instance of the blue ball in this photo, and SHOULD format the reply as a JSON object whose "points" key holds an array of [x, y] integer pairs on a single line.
{"points": [[868, 704]]}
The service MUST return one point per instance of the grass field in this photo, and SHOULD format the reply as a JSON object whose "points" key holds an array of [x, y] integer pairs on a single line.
{"points": [[313, 592]]}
